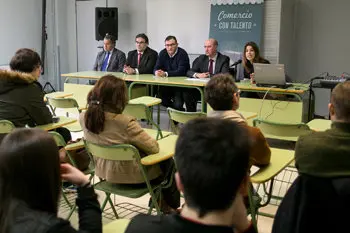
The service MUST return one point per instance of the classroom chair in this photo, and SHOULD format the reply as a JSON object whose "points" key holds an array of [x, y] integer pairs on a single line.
{"points": [[68, 104], [123, 152], [142, 112], [116, 226], [6, 126], [182, 117], [69, 148]]}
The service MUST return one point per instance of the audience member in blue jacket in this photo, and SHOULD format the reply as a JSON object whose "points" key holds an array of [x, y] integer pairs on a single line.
{"points": [[172, 61]]}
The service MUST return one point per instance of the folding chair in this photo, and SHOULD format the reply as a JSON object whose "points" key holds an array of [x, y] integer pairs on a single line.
{"points": [[123, 152], [68, 148], [182, 117], [142, 112], [6, 126], [68, 104]]}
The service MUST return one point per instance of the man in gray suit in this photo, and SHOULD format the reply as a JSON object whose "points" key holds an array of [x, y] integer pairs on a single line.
{"points": [[110, 59], [205, 66]]}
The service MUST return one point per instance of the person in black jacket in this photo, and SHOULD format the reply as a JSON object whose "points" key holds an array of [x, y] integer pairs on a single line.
{"points": [[212, 175], [30, 184], [141, 60], [172, 61], [22, 96]]}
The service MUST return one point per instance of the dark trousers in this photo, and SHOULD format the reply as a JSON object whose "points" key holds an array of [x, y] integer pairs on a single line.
{"points": [[191, 97], [172, 97], [65, 133], [170, 195]]}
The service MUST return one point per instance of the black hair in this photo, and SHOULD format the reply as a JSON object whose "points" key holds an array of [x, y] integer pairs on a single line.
{"points": [[212, 157], [25, 60], [143, 36], [171, 38], [29, 174]]}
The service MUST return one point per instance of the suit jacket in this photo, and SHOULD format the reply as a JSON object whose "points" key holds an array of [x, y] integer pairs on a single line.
{"points": [[147, 63], [201, 65], [122, 129], [116, 62]]}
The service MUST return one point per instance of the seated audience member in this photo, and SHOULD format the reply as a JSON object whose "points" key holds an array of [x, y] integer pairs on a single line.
{"points": [[251, 55], [319, 199], [141, 60], [30, 186], [22, 96], [212, 174], [110, 59], [104, 123], [205, 66], [222, 95], [172, 61]]}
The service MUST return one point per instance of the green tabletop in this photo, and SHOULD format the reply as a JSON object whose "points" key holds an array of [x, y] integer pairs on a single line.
{"points": [[166, 151], [116, 226], [279, 160], [320, 124], [58, 94], [146, 100], [248, 115], [62, 122], [296, 88]]}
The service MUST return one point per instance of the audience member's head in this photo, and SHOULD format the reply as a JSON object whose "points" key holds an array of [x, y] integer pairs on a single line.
{"points": [[29, 173], [339, 107], [212, 161], [221, 93], [141, 41], [109, 42], [26, 61], [108, 95], [210, 47], [171, 45]]}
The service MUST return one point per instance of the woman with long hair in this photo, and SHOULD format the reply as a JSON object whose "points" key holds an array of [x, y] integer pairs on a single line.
{"points": [[30, 184], [104, 123], [251, 55]]}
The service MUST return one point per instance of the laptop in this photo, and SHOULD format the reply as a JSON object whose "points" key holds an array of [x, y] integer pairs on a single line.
{"points": [[269, 75]]}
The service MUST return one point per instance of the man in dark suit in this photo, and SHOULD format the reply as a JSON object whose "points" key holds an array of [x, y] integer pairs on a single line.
{"points": [[141, 60], [110, 59], [172, 61], [205, 66]]}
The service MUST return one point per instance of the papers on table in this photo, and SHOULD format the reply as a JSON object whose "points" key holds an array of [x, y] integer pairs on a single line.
{"points": [[198, 79]]}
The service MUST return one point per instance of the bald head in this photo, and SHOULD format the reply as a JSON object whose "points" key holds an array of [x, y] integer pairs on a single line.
{"points": [[210, 47]]}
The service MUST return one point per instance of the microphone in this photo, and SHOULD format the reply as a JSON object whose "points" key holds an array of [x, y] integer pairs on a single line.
{"points": [[236, 63]]}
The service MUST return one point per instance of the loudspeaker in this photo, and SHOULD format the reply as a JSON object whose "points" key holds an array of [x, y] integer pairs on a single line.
{"points": [[106, 21]]}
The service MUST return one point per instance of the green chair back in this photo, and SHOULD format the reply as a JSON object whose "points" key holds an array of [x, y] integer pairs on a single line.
{"points": [[63, 103], [142, 112], [281, 131], [6, 126], [121, 152], [182, 117]]}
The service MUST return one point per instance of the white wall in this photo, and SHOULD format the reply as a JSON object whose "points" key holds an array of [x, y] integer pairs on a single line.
{"points": [[20, 27]]}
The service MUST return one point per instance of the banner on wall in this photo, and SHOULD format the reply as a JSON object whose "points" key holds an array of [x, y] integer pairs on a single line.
{"points": [[235, 22]]}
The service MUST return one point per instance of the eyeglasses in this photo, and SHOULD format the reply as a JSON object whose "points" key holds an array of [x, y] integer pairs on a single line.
{"points": [[170, 45], [140, 42]]}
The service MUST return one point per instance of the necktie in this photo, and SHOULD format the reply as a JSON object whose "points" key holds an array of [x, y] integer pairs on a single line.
{"points": [[139, 58], [105, 62], [211, 70]]}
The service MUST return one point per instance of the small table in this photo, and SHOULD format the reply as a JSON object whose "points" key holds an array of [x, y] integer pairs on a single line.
{"points": [[62, 122], [280, 159], [149, 101], [319, 124], [57, 94], [166, 151]]}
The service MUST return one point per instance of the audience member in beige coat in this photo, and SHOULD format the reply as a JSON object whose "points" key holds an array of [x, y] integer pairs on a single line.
{"points": [[222, 95], [103, 123]]}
